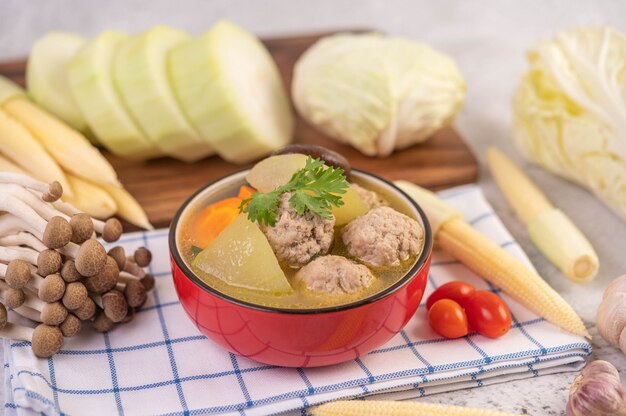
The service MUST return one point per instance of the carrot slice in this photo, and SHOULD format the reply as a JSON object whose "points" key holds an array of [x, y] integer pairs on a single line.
{"points": [[211, 221], [246, 192]]}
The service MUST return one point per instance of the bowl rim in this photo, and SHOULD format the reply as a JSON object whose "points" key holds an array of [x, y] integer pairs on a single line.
{"points": [[413, 272]]}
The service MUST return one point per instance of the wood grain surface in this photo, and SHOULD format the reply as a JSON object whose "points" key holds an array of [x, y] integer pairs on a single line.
{"points": [[161, 185]]}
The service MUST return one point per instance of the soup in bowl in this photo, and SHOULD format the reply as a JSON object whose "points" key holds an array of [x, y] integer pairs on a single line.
{"points": [[300, 263]]}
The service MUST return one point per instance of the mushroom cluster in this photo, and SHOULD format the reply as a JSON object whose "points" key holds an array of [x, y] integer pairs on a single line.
{"points": [[55, 272]]}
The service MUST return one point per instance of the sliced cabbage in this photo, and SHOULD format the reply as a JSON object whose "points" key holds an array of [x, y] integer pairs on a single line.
{"points": [[46, 76], [91, 82], [375, 93], [229, 87], [569, 111], [142, 81]]}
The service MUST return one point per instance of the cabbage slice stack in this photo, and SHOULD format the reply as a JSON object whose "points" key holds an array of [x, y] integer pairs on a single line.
{"points": [[376, 93], [569, 111]]}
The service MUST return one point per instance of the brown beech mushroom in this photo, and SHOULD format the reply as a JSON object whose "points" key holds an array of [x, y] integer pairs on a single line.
{"points": [[75, 295], [102, 323], [52, 288], [135, 293], [105, 280], [50, 192], [69, 272], [111, 229], [82, 228], [13, 298], [87, 311], [46, 340], [47, 262], [91, 258], [70, 326], [114, 305], [16, 274], [129, 316], [45, 210], [58, 233], [37, 310], [119, 255], [147, 281]]}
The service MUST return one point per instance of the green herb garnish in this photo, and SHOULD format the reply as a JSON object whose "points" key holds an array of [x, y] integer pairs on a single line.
{"points": [[316, 188]]}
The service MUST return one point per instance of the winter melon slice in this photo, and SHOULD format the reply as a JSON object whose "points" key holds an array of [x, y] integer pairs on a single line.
{"points": [[229, 86], [141, 78], [91, 82], [241, 256], [46, 76]]}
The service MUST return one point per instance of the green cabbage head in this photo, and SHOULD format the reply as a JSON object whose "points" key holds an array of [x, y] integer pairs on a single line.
{"points": [[569, 111], [376, 93]]}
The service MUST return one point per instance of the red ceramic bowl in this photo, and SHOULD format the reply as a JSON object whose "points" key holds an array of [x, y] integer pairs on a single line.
{"points": [[298, 337]]}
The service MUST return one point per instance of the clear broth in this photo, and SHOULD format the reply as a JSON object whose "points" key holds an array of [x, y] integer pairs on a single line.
{"points": [[301, 298]]}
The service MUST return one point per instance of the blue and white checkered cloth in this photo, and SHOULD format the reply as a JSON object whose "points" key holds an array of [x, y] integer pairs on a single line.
{"points": [[160, 364]]}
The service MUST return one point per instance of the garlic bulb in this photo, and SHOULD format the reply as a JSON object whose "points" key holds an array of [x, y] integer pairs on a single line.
{"points": [[611, 315], [597, 391]]}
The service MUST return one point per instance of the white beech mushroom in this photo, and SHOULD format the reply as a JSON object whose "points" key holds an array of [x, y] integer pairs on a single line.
{"points": [[50, 192], [119, 255], [70, 326], [87, 311], [75, 295], [105, 280], [114, 305]]}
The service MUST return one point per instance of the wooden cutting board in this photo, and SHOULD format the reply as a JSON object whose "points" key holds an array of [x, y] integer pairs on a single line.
{"points": [[161, 185]]}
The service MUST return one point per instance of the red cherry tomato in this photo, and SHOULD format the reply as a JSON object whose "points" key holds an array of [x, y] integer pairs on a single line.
{"points": [[488, 314], [447, 318], [457, 291]]}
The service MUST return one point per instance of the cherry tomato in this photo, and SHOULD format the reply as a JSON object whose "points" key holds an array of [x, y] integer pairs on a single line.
{"points": [[448, 319], [457, 291], [488, 314]]}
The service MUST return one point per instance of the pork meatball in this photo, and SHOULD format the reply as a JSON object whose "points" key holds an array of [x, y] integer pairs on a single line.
{"points": [[334, 275], [297, 238], [383, 237], [372, 199]]}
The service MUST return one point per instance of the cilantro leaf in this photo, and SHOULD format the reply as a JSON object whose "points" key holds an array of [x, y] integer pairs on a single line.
{"points": [[316, 188]]}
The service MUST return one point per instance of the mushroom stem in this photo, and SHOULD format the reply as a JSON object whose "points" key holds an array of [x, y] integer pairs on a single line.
{"points": [[50, 192], [10, 253], [132, 268], [10, 224], [44, 209], [23, 238]]}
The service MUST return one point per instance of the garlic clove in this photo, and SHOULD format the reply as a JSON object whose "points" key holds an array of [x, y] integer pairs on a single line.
{"points": [[611, 317], [622, 340], [597, 391], [616, 286]]}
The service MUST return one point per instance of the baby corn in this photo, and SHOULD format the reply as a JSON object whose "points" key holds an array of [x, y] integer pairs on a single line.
{"points": [[549, 228], [494, 264], [393, 408]]}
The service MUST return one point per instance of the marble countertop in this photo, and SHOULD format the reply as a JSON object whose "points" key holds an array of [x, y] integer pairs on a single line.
{"points": [[488, 40]]}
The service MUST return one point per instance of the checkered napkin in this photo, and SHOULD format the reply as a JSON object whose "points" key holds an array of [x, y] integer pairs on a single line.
{"points": [[160, 364]]}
